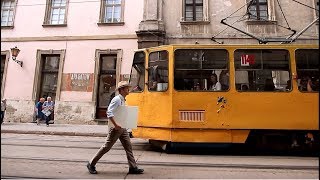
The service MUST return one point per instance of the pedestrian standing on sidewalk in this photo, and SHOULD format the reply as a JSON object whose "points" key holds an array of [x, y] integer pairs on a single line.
{"points": [[116, 132], [3, 109]]}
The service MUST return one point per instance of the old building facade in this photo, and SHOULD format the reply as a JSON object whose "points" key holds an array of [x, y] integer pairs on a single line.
{"points": [[76, 51], [72, 51], [199, 21]]}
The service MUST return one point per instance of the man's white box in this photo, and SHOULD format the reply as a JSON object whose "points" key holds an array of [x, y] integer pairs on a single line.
{"points": [[126, 117]]}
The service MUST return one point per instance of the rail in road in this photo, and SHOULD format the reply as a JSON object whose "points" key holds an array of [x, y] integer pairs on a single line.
{"points": [[44, 157], [90, 144]]}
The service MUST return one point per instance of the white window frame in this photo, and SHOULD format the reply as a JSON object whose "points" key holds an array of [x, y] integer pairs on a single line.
{"points": [[103, 12], [49, 12], [12, 9]]}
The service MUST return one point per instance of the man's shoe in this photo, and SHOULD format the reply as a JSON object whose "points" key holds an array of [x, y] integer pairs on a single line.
{"points": [[91, 169], [135, 171]]}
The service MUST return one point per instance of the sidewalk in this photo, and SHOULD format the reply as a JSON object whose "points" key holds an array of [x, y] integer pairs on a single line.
{"points": [[55, 129]]}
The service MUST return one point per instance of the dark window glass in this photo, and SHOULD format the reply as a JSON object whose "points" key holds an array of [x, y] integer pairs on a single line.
{"points": [[3, 62], [158, 71], [201, 69], [193, 10], [138, 72], [307, 61], [262, 70], [49, 75], [258, 10]]}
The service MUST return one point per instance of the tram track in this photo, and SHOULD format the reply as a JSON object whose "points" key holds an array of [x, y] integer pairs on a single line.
{"points": [[139, 145], [115, 147], [171, 164], [24, 177]]}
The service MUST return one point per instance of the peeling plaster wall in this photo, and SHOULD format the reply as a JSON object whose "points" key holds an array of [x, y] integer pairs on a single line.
{"points": [[180, 32], [22, 111], [74, 113], [19, 111]]}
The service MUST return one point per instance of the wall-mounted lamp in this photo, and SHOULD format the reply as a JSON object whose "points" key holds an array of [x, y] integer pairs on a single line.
{"points": [[14, 52]]}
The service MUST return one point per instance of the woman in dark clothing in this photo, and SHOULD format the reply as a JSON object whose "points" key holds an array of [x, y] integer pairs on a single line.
{"points": [[40, 115]]}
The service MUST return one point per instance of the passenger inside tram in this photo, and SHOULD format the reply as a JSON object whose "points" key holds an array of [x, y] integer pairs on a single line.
{"points": [[224, 80], [214, 84], [269, 85]]}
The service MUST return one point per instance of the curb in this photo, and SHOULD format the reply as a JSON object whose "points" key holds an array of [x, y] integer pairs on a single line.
{"points": [[55, 133]]}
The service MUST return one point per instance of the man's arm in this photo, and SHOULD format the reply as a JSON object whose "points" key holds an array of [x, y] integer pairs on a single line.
{"points": [[116, 126], [115, 103]]}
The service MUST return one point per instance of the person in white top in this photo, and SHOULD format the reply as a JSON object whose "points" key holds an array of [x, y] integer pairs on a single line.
{"points": [[214, 84]]}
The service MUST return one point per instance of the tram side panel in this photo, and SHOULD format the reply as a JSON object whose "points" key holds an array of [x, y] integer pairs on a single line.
{"points": [[154, 119]]}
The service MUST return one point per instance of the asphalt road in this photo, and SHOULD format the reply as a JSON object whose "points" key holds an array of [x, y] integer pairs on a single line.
{"points": [[46, 156]]}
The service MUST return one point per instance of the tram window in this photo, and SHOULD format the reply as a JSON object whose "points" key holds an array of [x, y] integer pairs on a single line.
{"points": [[137, 72], [262, 70], [201, 69], [158, 71], [307, 61]]}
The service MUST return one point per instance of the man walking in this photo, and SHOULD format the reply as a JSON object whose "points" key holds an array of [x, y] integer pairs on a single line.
{"points": [[116, 132]]}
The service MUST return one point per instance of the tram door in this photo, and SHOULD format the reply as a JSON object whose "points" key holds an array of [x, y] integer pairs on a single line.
{"points": [[106, 84]]}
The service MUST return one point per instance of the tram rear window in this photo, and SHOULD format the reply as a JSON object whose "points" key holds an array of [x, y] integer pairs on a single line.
{"points": [[138, 72], [262, 70], [201, 69]]}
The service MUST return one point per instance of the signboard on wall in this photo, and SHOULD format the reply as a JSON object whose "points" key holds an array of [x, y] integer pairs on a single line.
{"points": [[77, 82]]}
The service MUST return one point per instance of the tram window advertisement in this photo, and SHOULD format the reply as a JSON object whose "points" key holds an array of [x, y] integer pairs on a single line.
{"points": [[262, 70]]}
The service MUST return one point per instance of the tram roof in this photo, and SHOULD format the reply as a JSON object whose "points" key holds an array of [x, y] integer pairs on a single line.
{"points": [[235, 46]]}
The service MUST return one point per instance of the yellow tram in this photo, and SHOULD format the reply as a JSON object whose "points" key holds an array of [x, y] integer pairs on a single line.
{"points": [[226, 93]]}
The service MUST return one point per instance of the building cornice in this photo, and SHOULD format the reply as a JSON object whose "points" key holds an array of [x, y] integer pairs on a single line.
{"points": [[70, 38]]}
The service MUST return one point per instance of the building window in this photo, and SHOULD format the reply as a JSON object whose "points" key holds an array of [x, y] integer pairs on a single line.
{"points": [[317, 7], [258, 10], [111, 11], [7, 12], [56, 12], [193, 10]]}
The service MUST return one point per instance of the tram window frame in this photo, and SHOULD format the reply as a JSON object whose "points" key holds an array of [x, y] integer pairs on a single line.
{"points": [[135, 80], [273, 67], [194, 75], [158, 71], [307, 70]]}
